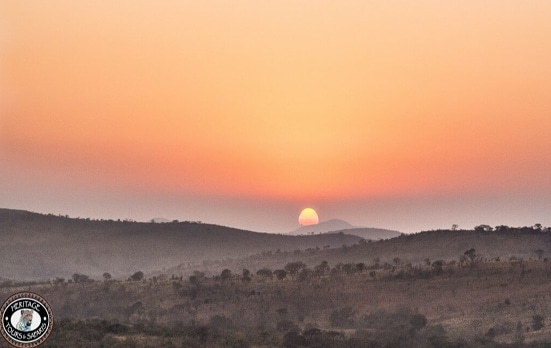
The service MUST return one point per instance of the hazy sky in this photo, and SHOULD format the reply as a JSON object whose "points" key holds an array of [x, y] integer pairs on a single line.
{"points": [[397, 114]]}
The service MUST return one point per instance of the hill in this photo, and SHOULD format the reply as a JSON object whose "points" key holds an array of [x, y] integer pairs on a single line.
{"points": [[337, 225], [37, 246], [490, 304], [323, 227], [505, 244], [371, 233]]}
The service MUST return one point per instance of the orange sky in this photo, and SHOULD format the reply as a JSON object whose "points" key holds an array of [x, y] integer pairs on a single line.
{"points": [[290, 102]]}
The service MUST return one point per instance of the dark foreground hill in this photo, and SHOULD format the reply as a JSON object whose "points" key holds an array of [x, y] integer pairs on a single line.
{"points": [[36, 246]]}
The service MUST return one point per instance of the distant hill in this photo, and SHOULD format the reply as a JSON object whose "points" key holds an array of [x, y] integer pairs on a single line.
{"points": [[336, 225], [511, 243], [323, 227], [36, 246], [372, 233]]}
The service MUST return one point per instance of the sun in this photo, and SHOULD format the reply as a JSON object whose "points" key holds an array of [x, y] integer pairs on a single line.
{"points": [[308, 217]]}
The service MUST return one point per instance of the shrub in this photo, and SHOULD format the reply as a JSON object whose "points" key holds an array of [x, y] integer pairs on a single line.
{"points": [[537, 322], [137, 276], [418, 321]]}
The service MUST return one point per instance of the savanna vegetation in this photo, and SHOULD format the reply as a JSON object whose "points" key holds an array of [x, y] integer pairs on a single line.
{"points": [[467, 302], [486, 287]]}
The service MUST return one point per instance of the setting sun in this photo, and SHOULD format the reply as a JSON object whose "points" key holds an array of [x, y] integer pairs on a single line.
{"points": [[308, 217]]}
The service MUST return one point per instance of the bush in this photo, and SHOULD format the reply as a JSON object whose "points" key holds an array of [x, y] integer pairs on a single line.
{"points": [[537, 322], [418, 321], [137, 276]]}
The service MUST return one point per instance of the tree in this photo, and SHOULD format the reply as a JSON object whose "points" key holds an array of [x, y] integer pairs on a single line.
{"points": [[264, 272], [294, 267], [246, 275], [437, 267], [322, 268], [483, 228], [280, 274], [107, 276], [80, 278], [136, 277], [418, 321], [226, 274], [470, 254], [537, 322], [349, 268], [455, 227], [397, 261], [360, 267]]}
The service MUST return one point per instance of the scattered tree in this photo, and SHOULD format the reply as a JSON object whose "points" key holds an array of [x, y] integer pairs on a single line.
{"points": [[294, 267], [136, 277], [264, 272], [280, 274], [483, 228], [418, 321], [80, 278], [322, 268], [537, 322], [226, 274]]}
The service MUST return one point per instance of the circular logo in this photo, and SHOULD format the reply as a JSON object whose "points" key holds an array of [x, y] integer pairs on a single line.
{"points": [[27, 320]]}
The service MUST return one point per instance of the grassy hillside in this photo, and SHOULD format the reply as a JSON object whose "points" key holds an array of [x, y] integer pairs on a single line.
{"points": [[485, 304], [516, 243], [35, 246]]}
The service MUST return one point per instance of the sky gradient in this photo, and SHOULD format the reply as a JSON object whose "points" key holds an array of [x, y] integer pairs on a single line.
{"points": [[393, 114]]}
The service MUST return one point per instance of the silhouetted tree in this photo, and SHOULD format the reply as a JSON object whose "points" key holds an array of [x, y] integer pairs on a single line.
{"points": [[226, 274], [483, 228], [106, 276], [137, 276]]}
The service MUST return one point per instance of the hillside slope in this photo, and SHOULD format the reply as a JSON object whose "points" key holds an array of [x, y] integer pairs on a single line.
{"points": [[413, 248], [36, 246]]}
